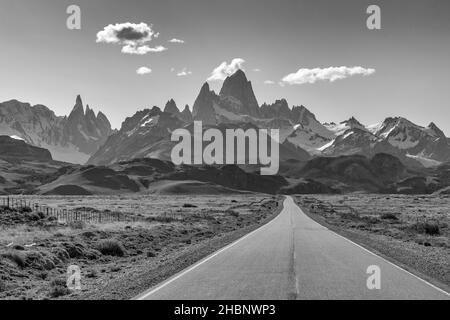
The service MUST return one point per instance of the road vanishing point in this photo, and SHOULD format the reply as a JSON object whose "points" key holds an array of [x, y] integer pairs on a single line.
{"points": [[292, 258]]}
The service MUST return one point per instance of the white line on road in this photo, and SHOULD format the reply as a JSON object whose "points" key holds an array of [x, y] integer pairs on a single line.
{"points": [[389, 262], [393, 264], [145, 295]]}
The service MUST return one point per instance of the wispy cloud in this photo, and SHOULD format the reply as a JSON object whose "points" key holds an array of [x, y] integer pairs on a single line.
{"points": [[184, 73], [143, 70], [224, 69], [175, 40], [133, 37], [141, 50], [331, 74], [269, 82], [256, 70]]}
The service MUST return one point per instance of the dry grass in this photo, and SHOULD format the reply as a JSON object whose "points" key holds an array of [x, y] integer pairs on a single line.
{"points": [[414, 230], [164, 225]]}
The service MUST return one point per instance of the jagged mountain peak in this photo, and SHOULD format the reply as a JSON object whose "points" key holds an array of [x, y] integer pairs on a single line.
{"points": [[78, 109], [203, 109], [171, 107], [70, 138], [186, 114], [239, 88], [101, 115], [302, 115], [436, 130], [278, 109], [78, 100], [205, 88], [352, 122]]}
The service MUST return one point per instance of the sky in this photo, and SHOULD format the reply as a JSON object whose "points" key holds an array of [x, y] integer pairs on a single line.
{"points": [[403, 67]]}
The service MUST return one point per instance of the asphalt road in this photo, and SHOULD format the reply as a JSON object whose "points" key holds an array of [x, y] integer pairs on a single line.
{"points": [[292, 257]]}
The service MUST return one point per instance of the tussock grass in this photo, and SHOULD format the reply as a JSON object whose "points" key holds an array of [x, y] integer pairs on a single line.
{"points": [[111, 247], [16, 257]]}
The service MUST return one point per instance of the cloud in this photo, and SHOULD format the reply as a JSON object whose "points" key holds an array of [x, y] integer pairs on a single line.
{"points": [[331, 74], [256, 70], [175, 40], [184, 73], [224, 70], [269, 82], [143, 70], [129, 49], [133, 37]]}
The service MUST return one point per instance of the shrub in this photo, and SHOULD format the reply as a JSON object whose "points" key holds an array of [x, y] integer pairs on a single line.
{"points": [[2, 285], [77, 225], [25, 210], [16, 257], [111, 248], [58, 291], [58, 282], [232, 213], [162, 219], [58, 288], [92, 273], [188, 205], [430, 228], [151, 254], [389, 216]]}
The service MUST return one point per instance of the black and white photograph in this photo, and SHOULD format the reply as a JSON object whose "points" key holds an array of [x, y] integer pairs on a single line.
{"points": [[224, 158]]}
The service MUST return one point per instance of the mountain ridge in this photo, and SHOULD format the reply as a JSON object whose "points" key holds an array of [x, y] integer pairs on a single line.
{"points": [[71, 138]]}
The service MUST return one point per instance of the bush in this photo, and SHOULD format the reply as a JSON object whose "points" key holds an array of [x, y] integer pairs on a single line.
{"points": [[232, 213], [389, 216], [92, 273], [111, 248], [430, 228], [162, 219], [2, 286], [77, 225], [58, 288], [188, 205], [16, 257], [151, 254], [25, 210]]}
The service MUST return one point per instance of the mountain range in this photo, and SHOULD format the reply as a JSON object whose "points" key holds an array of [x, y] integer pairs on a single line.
{"points": [[72, 139], [394, 155], [147, 133]]}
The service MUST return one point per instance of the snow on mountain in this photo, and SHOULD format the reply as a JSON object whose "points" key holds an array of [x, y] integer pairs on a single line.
{"points": [[236, 106], [398, 136]]}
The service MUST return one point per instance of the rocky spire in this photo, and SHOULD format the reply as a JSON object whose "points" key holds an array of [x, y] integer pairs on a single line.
{"points": [[186, 114], [171, 107], [279, 109], [240, 88], [203, 106], [435, 129]]}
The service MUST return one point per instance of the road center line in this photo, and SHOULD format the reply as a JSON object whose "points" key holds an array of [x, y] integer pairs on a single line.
{"points": [[196, 265]]}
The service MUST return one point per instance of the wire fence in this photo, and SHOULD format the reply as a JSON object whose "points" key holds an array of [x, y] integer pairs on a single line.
{"points": [[65, 215]]}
